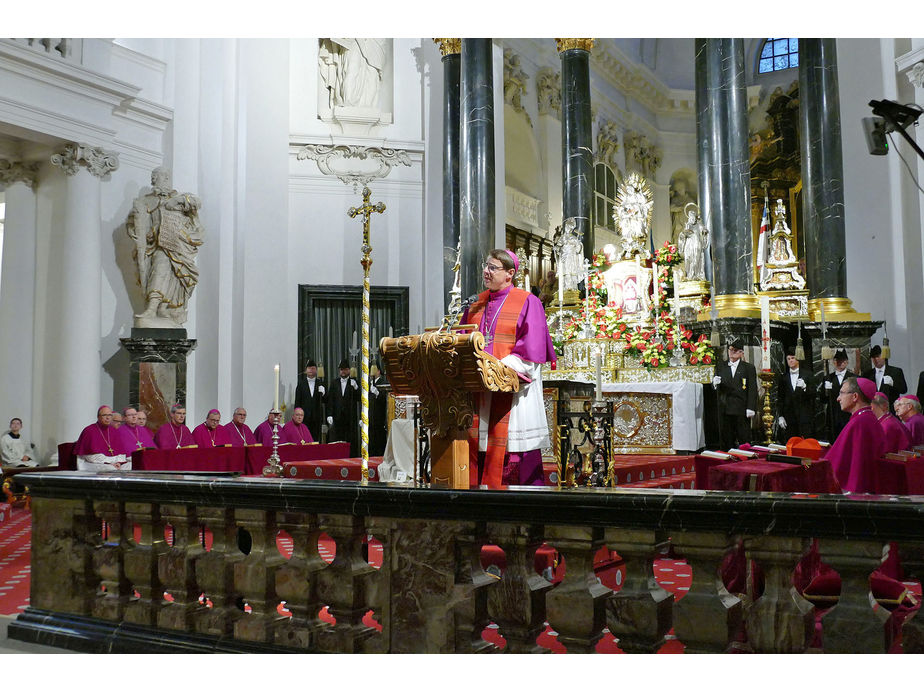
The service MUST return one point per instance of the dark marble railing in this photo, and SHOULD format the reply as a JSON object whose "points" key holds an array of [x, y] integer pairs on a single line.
{"points": [[101, 566]]}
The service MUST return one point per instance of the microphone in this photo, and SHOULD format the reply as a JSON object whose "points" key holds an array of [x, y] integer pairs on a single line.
{"points": [[469, 301]]}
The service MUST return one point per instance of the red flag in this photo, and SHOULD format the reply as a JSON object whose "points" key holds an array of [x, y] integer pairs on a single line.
{"points": [[762, 240]]}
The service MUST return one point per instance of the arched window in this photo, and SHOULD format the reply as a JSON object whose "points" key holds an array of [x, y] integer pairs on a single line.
{"points": [[604, 196], [778, 54]]}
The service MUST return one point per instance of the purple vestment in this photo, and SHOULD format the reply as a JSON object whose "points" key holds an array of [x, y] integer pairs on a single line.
{"points": [[855, 452], [97, 439], [915, 426], [135, 438], [297, 434], [170, 437], [210, 439], [264, 434], [239, 437], [533, 342], [895, 435]]}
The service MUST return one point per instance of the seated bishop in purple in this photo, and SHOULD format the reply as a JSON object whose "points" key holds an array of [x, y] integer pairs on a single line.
{"points": [[295, 432], [134, 436], [174, 434], [99, 448], [860, 445], [908, 407], [239, 433], [209, 434], [264, 432], [894, 434]]}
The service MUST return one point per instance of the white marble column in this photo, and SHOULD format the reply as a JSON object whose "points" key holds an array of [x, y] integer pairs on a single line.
{"points": [[17, 293], [81, 281]]}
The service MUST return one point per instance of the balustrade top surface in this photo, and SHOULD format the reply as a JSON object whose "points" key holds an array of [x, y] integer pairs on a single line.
{"points": [[792, 514]]}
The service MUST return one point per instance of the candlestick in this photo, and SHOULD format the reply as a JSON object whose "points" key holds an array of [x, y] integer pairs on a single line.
{"points": [[598, 359], [765, 332], [276, 388]]}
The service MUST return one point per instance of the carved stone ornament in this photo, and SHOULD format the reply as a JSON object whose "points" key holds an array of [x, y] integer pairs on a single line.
{"points": [[449, 46], [642, 155], [353, 164], [608, 144], [97, 160], [515, 83], [548, 90], [567, 44], [444, 369], [916, 75], [18, 172]]}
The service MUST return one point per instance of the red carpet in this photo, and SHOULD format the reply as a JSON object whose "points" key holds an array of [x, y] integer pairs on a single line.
{"points": [[15, 558]]}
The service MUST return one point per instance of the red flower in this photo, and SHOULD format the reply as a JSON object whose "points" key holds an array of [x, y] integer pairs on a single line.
{"points": [[707, 359], [693, 360]]}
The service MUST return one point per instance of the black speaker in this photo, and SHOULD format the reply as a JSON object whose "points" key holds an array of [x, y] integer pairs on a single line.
{"points": [[874, 128]]}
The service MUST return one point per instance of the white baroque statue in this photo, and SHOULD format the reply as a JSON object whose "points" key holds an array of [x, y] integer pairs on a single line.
{"points": [[570, 252], [167, 233], [351, 69], [692, 243]]}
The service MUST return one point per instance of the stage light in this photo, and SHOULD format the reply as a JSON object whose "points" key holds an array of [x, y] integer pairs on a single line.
{"points": [[874, 128]]}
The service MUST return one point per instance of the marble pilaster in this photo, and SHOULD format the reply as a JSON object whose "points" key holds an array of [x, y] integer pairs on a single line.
{"points": [[722, 126], [81, 283], [451, 50], [476, 163], [17, 291], [577, 136], [822, 177]]}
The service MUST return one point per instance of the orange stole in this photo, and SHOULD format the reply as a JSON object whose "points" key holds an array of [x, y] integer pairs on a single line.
{"points": [[505, 336]]}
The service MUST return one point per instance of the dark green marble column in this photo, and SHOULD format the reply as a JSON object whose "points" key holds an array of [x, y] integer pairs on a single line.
{"points": [[577, 136], [452, 65], [476, 162], [722, 142]]}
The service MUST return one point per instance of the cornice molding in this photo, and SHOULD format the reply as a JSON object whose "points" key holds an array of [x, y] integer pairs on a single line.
{"points": [[353, 164]]}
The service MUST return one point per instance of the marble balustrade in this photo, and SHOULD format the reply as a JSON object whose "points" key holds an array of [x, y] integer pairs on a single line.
{"points": [[95, 589]]}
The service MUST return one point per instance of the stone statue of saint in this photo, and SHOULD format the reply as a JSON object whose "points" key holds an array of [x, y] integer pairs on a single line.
{"points": [[167, 233], [692, 243], [351, 69], [570, 252], [680, 198]]}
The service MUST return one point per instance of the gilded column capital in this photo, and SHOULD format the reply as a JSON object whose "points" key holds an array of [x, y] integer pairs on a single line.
{"points": [[18, 172], [567, 44], [449, 46], [97, 160]]}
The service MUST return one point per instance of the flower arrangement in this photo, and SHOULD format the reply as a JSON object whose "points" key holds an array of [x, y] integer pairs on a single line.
{"points": [[641, 344]]}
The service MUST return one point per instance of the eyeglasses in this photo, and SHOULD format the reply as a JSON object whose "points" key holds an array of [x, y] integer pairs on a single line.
{"points": [[492, 268]]}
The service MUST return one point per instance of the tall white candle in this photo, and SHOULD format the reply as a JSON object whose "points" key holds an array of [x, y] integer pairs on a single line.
{"points": [[657, 299], [354, 339], [276, 388], [765, 332], [598, 358], [561, 293]]}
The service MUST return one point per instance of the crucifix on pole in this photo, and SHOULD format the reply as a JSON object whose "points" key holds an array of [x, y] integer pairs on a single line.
{"points": [[366, 210]]}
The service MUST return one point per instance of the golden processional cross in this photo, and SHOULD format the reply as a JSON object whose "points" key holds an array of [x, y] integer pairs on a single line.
{"points": [[366, 210]]}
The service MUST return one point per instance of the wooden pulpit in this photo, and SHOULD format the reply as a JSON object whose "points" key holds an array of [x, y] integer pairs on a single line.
{"points": [[444, 370]]}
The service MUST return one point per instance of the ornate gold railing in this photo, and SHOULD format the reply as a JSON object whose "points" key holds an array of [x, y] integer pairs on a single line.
{"points": [[101, 566]]}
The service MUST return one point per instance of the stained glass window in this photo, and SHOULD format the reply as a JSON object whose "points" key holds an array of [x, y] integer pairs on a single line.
{"points": [[779, 54]]}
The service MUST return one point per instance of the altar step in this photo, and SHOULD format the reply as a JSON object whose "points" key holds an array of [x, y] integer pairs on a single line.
{"points": [[687, 480]]}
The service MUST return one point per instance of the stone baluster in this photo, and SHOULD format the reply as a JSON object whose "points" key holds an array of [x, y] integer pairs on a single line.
{"points": [[114, 587], [853, 625], [516, 602], [215, 573], [470, 611], [141, 561], [176, 567], [64, 533], [912, 559], [379, 584], [295, 582], [779, 621], [255, 576], [708, 617], [638, 615], [575, 607], [343, 586]]}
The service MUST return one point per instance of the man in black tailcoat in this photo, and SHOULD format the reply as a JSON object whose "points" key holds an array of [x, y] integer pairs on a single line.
{"points": [[309, 395], [795, 404], [890, 380], [829, 388], [342, 399], [736, 382]]}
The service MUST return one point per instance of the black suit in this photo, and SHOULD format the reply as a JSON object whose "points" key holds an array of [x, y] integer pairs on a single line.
{"points": [[312, 404], [378, 416], [341, 406], [736, 395], [835, 417], [796, 406], [893, 391], [920, 391]]}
